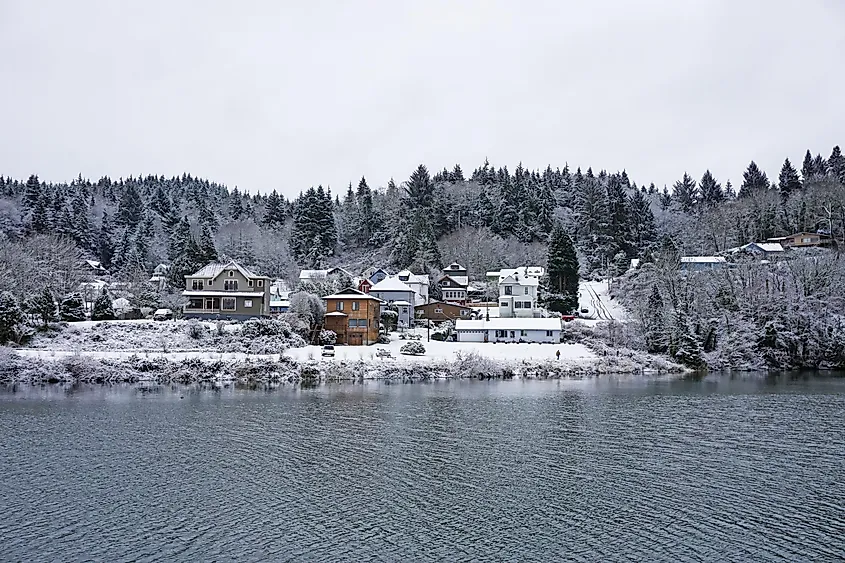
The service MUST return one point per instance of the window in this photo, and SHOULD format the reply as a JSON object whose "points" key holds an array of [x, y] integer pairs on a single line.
{"points": [[503, 304], [260, 283], [230, 285], [526, 290], [209, 282], [438, 310], [248, 303], [404, 310], [356, 306], [195, 303], [196, 285], [549, 333], [501, 334], [508, 290], [523, 333], [806, 239], [231, 273], [228, 303], [339, 306], [513, 334], [517, 305], [249, 283], [357, 323], [526, 305], [464, 313]]}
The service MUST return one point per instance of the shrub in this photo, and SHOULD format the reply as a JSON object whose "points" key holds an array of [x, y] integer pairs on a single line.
{"points": [[254, 328], [438, 336], [10, 316], [103, 310], [327, 337], [413, 349], [389, 319], [195, 330], [383, 339], [72, 309]]}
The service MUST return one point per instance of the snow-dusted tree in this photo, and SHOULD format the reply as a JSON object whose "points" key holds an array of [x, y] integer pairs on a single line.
{"points": [[562, 272], [654, 324], [711, 190], [72, 308], [105, 241], [43, 306], [788, 181], [754, 181], [685, 193], [103, 309], [307, 307], [10, 316]]}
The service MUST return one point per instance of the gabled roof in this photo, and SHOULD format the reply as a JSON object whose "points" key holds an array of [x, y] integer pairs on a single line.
{"points": [[414, 278], [351, 293], [436, 302], [214, 269], [764, 246], [391, 284], [460, 280], [519, 280]]}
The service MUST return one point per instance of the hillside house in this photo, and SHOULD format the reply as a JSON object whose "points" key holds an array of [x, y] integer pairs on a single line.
{"points": [[394, 292], [702, 263], [439, 311], [547, 330], [518, 296], [418, 282], [226, 291], [354, 316], [453, 285], [320, 275], [802, 240], [364, 285], [375, 275], [766, 250], [497, 276]]}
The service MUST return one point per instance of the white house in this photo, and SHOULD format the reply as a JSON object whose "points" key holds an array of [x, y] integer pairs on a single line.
{"points": [[764, 249], [453, 284], [418, 282], [701, 263], [518, 296], [393, 291], [509, 330]]}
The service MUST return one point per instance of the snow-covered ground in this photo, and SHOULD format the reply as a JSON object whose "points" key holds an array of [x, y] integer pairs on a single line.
{"points": [[594, 297]]}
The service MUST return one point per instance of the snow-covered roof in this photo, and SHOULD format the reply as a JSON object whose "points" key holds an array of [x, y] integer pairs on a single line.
{"points": [[214, 269], [94, 264], [519, 280], [509, 324], [336, 314], [351, 293], [413, 278], [521, 271], [280, 302], [391, 284], [191, 293], [405, 303], [765, 246], [313, 274], [702, 260]]}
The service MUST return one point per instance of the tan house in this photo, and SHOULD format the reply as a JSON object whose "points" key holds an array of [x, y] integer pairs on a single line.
{"points": [[354, 316], [438, 311], [802, 240], [226, 291]]}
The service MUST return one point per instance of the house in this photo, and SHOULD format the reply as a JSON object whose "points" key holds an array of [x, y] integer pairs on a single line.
{"points": [[394, 292], [518, 296], [375, 275], [418, 282], [702, 263], [802, 240], [319, 275], [226, 291], [94, 267], [525, 271], [364, 285], [354, 316], [279, 301], [766, 250], [546, 330], [453, 284], [439, 311]]}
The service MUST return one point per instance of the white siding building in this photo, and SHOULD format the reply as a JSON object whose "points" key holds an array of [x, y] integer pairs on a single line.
{"points": [[509, 330], [518, 296], [393, 291], [418, 282]]}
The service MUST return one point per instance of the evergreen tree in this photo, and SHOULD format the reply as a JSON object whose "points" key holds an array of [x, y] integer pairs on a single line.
{"points": [[711, 190], [105, 242], [179, 239], [161, 204], [562, 272], [419, 189], [665, 199], [131, 207], [685, 346], [457, 174], [507, 219], [754, 180], [788, 181], [81, 226], [685, 193], [366, 216], [72, 308], [43, 306], [274, 211], [236, 206], [820, 166], [103, 310], [207, 252], [729, 191], [643, 227], [32, 196], [10, 316], [807, 170], [654, 327], [836, 163]]}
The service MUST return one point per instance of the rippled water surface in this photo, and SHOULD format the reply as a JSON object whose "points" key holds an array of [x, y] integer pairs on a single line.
{"points": [[604, 470]]}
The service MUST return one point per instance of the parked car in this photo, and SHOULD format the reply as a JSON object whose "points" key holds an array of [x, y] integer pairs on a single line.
{"points": [[163, 315], [328, 350]]}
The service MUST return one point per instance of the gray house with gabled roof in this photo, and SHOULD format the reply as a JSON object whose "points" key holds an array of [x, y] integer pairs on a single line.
{"points": [[226, 291]]}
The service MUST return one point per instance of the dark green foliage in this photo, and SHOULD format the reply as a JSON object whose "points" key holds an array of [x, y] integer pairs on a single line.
{"points": [[10, 316], [314, 235], [710, 190], [754, 181], [685, 193], [43, 306], [788, 181], [562, 272], [807, 170], [72, 308], [131, 206], [105, 242], [836, 163], [103, 310]]}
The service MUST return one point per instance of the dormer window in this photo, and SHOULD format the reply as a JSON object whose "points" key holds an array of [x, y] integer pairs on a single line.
{"points": [[231, 273]]}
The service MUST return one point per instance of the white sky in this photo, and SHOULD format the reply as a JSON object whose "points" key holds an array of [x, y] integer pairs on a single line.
{"points": [[284, 95]]}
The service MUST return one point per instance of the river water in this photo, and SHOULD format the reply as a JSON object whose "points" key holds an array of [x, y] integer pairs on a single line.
{"points": [[599, 470]]}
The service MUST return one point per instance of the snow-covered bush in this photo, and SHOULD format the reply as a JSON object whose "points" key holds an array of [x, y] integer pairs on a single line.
{"points": [[413, 349], [383, 339], [103, 310], [389, 319], [72, 309], [253, 328], [10, 316], [195, 330], [327, 337]]}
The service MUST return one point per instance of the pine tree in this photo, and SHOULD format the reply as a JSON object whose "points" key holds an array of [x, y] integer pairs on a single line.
{"points": [[161, 204], [836, 163], [685, 193], [507, 220], [419, 188], [131, 207], [807, 170], [206, 247], [105, 242], [366, 216], [643, 228], [236, 206], [72, 308], [179, 239], [457, 174], [754, 180], [43, 306], [788, 181], [81, 226], [711, 190], [820, 166], [684, 346], [274, 213], [729, 191], [103, 310], [562, 272], [665, 199], [654, 328], [10, 316]]}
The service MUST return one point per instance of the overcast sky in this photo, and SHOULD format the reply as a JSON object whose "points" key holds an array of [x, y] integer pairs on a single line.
{"points": [[284, 95]]}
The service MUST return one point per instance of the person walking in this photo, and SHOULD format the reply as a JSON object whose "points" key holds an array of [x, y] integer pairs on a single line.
{"points": [[558, 355]]}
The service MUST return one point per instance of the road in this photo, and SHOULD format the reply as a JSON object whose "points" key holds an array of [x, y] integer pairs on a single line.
{"points": [[598, 307]]}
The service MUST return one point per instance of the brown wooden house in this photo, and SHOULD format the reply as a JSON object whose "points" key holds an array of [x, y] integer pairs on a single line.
{"points": [[439, 311], [354, 316], [802, 240]]}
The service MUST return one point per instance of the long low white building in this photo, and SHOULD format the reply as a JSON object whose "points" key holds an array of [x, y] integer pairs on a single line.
{"points": [[509, 330]]}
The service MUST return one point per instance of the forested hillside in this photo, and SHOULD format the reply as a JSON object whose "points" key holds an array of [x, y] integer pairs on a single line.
{"points": [[490, 218]]}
